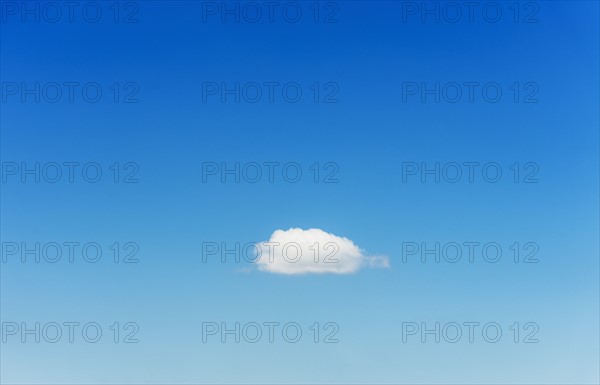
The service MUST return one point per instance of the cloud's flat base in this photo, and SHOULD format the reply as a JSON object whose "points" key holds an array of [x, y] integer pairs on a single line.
{"points": [[313, 251]]}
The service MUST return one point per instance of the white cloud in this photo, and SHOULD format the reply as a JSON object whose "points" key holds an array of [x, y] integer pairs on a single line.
{"points": [[312, 251]]}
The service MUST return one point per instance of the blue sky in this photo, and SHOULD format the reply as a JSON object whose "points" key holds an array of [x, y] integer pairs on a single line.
{"points": [[366, 124]]}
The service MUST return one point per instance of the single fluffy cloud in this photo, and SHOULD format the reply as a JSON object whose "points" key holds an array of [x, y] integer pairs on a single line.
{"points": [[312, 251]]}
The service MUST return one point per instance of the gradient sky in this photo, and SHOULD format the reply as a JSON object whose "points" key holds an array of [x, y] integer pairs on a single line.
{"points": [[369, 52]]}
